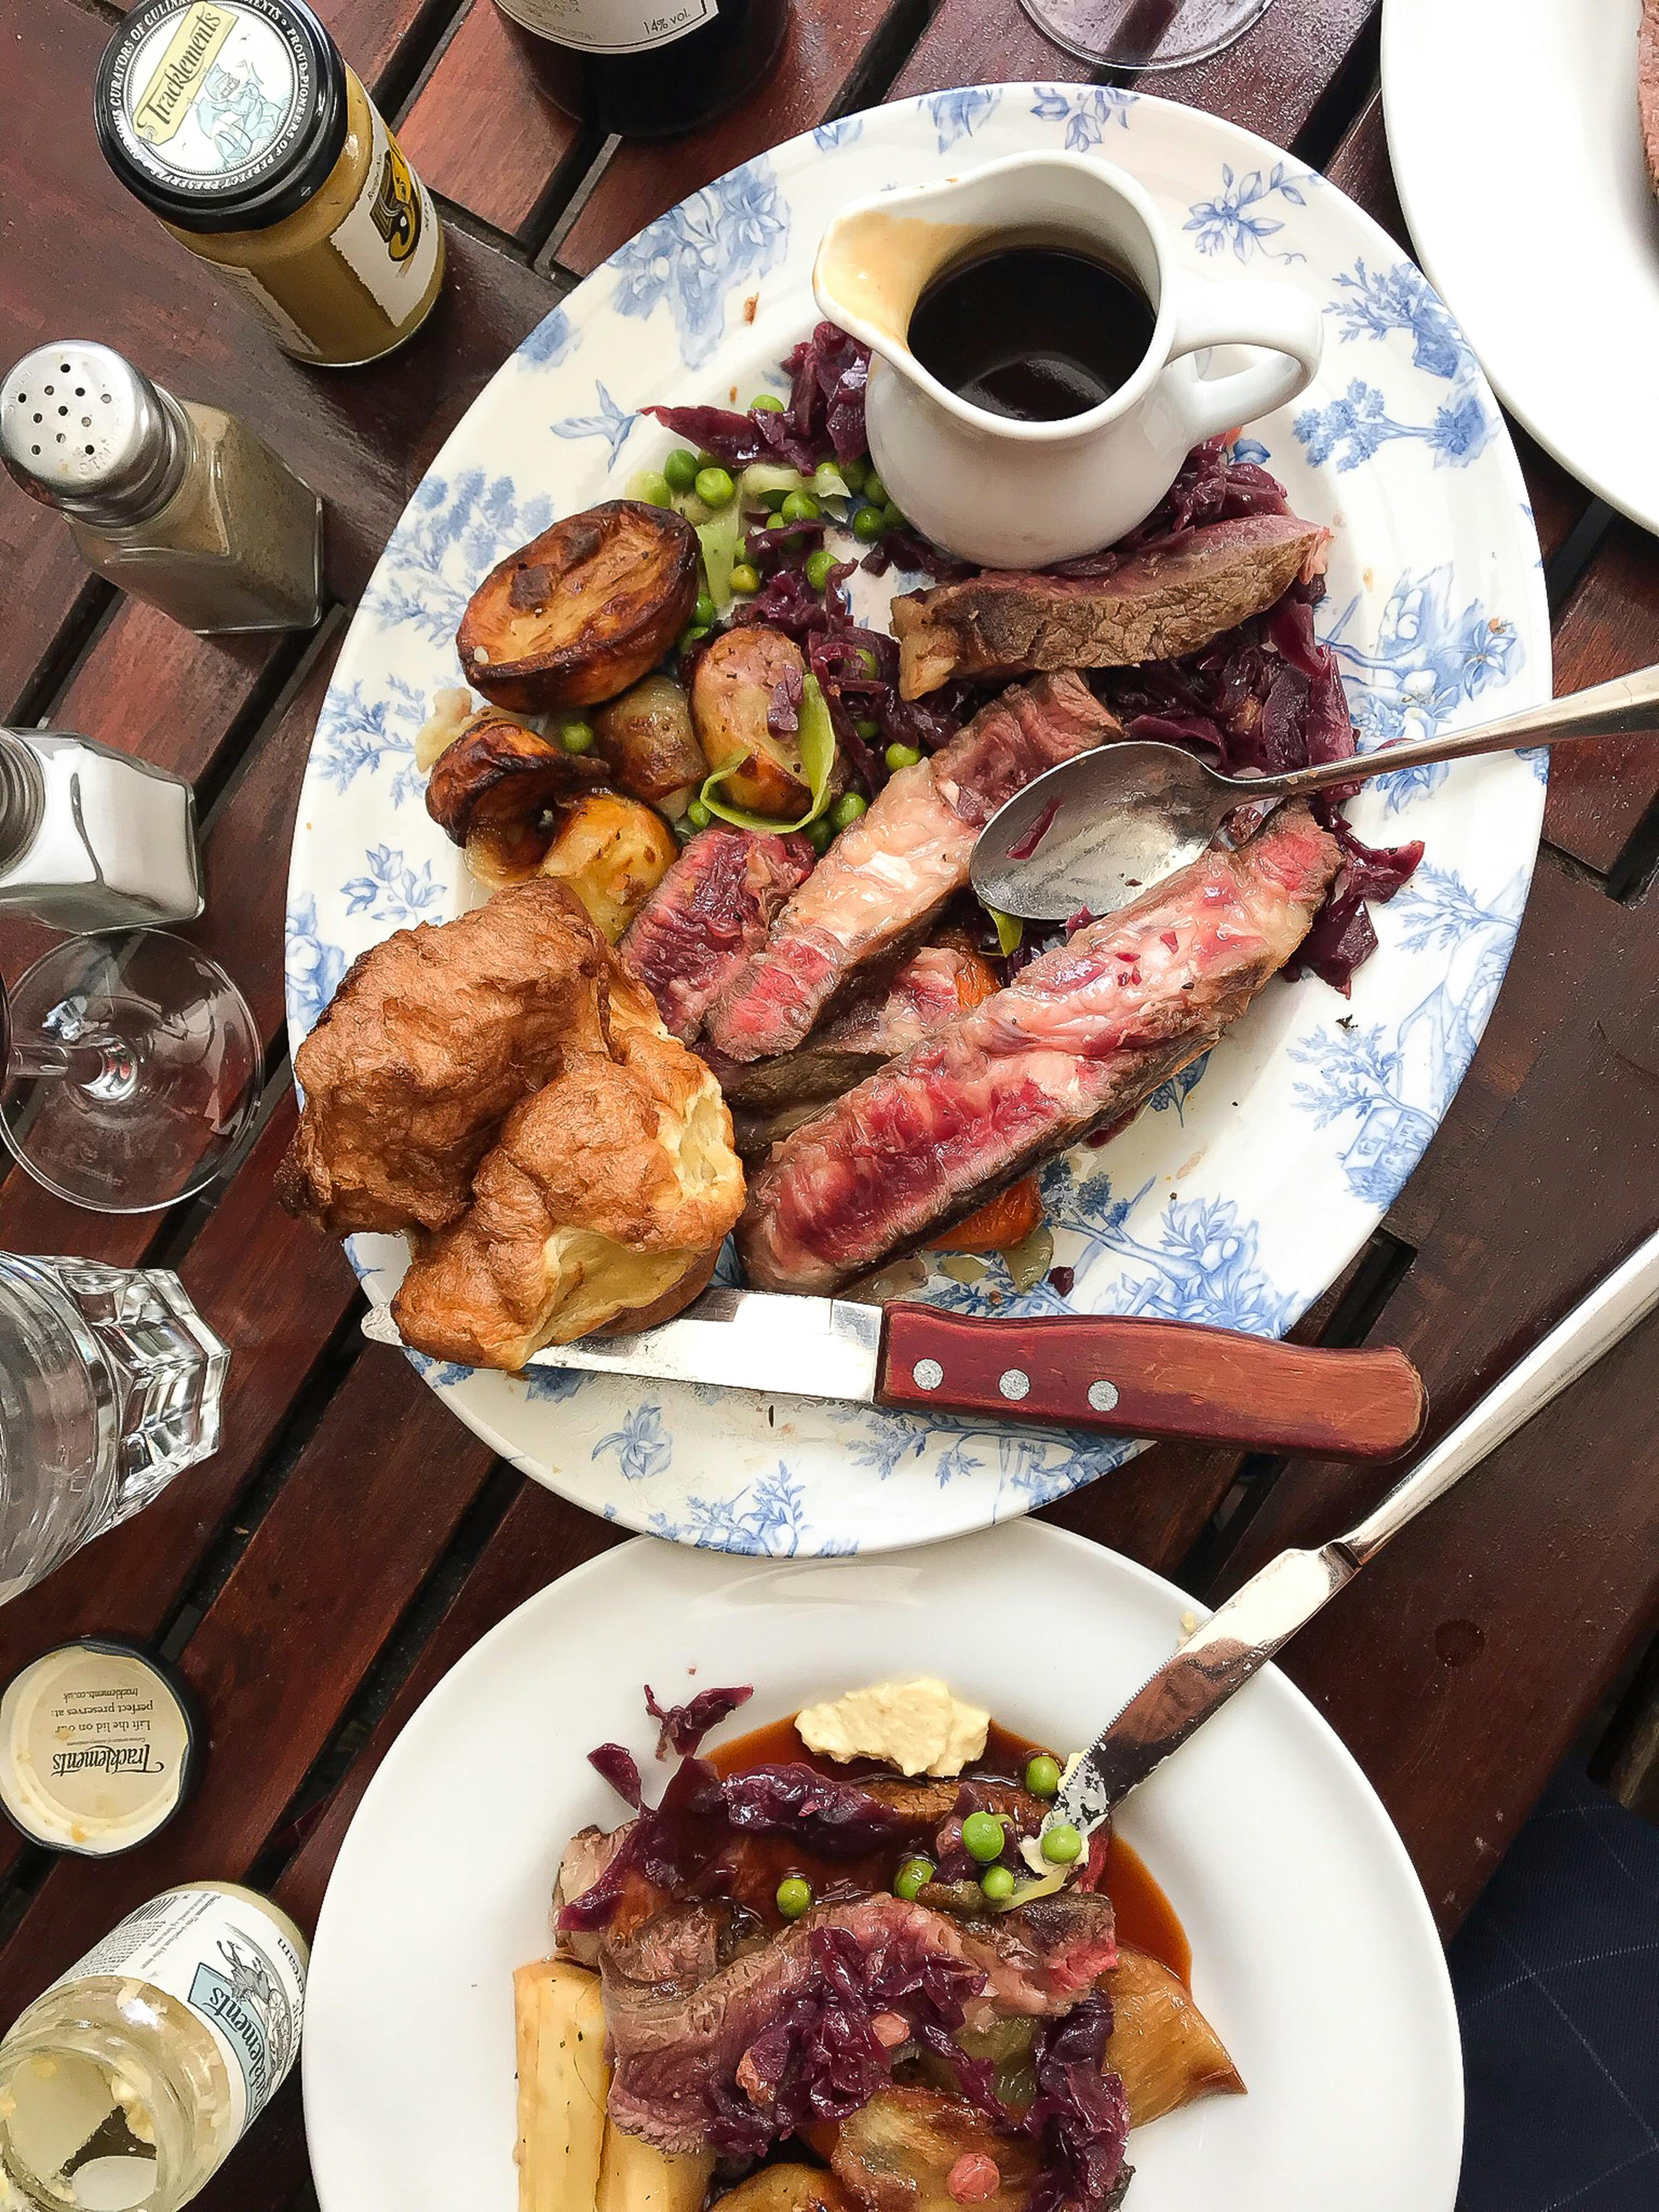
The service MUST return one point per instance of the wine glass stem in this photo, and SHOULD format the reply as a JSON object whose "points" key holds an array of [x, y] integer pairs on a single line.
{"points": [[106, 1066]]}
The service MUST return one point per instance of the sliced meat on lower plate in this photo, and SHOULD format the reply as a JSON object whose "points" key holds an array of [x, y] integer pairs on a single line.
{"points": [[1080, 1040], [884, 880]]}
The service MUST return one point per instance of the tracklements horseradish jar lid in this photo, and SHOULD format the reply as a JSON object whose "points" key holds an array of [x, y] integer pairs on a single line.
{"points": [[99, 1746], [222, 114]]}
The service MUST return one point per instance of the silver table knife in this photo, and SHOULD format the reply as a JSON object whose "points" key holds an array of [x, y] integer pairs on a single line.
{"points": [[1258, 1620], [1128, 1377]]}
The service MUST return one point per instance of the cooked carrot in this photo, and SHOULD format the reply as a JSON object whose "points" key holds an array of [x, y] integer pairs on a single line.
{"points": [[1007, 1220]]}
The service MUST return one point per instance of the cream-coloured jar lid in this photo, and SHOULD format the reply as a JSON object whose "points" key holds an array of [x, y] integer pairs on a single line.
{"points": [[98, 1746]]}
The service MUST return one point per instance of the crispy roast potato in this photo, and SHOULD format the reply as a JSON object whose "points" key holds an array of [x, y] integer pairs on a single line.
{"points": [[612, 852], [731, 695], [896, 2154], [583, 610], [788, 2188], [1165, 2050], [647, 739], [493, 789]]}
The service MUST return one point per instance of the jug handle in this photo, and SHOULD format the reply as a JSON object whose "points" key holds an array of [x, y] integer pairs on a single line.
{"points": [[1275, 316]]}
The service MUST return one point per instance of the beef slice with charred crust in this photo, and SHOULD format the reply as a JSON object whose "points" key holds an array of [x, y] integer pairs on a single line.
{"points": [[678, 2052], [433, 1036], [711, 910], [1077, 1041], [883, 881], [1170, 598]]}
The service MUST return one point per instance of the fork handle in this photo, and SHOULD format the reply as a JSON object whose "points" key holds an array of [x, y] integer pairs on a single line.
{"points": [[1140, 1377]]}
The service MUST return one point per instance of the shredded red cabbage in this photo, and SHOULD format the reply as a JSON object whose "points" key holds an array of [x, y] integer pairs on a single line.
{"points": [[683, 1727], [1079, 2115], [621, 1770], [836, 1819], [669, 1846], [823, 419]]}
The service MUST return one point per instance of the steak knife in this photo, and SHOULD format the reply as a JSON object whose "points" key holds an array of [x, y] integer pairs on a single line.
{"points": [[1259, 1620], [1126, 1377]]}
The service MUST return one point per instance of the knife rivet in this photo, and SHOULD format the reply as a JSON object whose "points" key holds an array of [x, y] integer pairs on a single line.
{"points": [[1014, 1383], [927, 1375], [1102, 1396]]}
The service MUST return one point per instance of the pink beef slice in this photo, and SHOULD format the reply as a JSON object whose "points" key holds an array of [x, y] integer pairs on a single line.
{"points": [[886, 879], [707, 914], [1170, 598], [1647, 85], [1080, 1041]]}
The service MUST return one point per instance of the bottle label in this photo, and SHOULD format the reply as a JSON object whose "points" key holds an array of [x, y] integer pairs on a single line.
{"points": [[234, 1965], [389, 239], [612, 27]]}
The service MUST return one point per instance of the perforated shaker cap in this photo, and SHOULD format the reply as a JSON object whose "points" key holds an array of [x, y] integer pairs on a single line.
{"points": [[81, 428]]}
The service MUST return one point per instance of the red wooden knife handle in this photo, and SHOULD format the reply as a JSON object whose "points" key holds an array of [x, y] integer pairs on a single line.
{"points": [[1153, 1378]]}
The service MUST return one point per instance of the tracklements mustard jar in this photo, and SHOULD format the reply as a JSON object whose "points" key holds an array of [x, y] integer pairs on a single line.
{"points": [[239, 124], [128, 2083]]}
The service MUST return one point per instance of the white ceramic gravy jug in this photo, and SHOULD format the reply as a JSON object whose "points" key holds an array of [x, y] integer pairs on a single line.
{"points": [[1019, 495]]}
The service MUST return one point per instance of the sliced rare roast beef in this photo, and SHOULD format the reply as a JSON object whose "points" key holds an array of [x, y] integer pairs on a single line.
{"points": [[682, 2055], [708, 912], [1078, 1041], [886, 879], [1170, 599]]}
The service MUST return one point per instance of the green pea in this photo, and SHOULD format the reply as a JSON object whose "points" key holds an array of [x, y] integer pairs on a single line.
{"points": [[715, 486], [818, 568], [575, 735], [901, 757], [800, 507], [1042, 1776], [692, 636], [855, 475], [848, 809], [893, 518], [867, 656], [819, 834], [773, 498], [998, 1884], [913, 1874], [746, 579], [875, 490], [983, 1837], [656, 490], [766, 402], [867, 525], [698, 814], [794, 1897], [680, 470], [864, 728], [1061, 1843], [705, 610]]}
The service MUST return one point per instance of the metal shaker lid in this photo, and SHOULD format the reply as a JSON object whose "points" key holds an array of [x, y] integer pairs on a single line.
{"points": [[81, 428]]}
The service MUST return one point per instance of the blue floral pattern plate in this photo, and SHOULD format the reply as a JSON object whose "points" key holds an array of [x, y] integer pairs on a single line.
{"points": [[1249, 1183]]}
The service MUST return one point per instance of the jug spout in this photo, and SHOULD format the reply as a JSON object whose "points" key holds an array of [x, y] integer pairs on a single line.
{"points": [[879, 257]]}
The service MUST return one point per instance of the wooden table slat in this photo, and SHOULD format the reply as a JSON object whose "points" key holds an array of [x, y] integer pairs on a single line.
{"points": [[1601, 791]]}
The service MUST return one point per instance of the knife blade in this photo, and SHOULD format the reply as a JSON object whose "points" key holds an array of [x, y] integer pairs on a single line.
{"points": [[1260, 1619], [1121, 1375]]}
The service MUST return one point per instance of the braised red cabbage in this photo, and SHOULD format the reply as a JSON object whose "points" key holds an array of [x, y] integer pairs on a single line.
{"points": [[621, 1770], [836, 1819], [683, 1727], [1080, 2116]]}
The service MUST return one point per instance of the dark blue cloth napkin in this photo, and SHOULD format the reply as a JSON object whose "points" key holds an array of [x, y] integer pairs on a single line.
{"points": [[1556, 1977]]}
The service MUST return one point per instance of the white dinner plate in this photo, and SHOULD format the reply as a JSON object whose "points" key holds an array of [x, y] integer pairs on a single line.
{"points": [[1246, 1187], [1314, 1952], [1512, 128]]}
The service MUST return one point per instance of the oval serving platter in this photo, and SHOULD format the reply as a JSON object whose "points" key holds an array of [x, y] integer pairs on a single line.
{"points": [[1242, 1190]]}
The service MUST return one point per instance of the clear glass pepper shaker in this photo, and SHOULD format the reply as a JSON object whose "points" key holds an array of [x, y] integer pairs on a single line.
{"points": [[91, 839], [176, 502]]}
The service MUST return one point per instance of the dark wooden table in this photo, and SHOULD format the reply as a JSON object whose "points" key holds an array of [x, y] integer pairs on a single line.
{"points": [[352, 1540]]}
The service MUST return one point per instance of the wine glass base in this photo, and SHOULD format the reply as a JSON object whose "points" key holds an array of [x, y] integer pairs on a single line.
{"points": [[1146, 35], [133, 1074]]}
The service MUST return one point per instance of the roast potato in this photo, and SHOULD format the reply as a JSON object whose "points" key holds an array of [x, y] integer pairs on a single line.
{"points": [[647, 739], [612, 852], [1165, 2050], [788, 2188], [897, 2153], [731, 695], [583, 610], [493, 788]]}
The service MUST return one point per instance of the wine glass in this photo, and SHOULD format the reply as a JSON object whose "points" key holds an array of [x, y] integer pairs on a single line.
{"points": [[131, 1071], [1144, 34]]}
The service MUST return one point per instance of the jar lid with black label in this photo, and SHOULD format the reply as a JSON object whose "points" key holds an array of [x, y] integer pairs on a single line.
{"points": [[222, 114], [100, 1746]]}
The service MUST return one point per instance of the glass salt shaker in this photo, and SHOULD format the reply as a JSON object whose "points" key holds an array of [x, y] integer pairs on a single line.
{"points": [[176, 502], [92, 839]]}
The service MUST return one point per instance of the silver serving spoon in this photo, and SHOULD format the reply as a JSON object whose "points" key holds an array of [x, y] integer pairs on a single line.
{"points": [[1260, 1618], [1100, 828]]}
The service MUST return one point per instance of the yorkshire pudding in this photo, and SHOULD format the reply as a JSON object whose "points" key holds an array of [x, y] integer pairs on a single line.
{"points": [[583, 610], [602, 1207], [493, 788]]}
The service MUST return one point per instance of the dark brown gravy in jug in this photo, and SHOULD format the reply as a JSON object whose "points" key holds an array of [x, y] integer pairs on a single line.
{"points": [[1034, 333]]}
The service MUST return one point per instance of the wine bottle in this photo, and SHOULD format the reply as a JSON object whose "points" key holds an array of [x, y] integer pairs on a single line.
{"points": [[650, 69]]}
